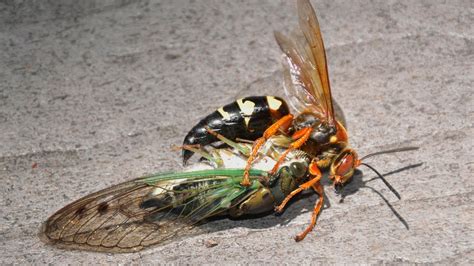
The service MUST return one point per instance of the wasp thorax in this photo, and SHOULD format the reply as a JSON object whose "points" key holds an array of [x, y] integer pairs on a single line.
{"points": [[305, 120], [322, 133]]}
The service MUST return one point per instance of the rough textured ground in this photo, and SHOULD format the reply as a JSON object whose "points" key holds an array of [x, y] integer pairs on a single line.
{"points": [[95, 92]]}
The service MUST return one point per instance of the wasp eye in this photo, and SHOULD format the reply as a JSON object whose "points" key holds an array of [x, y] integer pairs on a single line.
{"points": [[344, 165], [298, 169]]}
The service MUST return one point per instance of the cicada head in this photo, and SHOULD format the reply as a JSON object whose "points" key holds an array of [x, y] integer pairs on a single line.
{"points": [[297, 164], [294, 170], [343, 167]]}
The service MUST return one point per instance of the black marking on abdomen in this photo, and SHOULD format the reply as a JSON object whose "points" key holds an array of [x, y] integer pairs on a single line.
{"points": [[246, 118]]}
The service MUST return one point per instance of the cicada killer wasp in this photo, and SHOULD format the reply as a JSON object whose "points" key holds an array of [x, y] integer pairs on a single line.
{"points": [[315, 129]]}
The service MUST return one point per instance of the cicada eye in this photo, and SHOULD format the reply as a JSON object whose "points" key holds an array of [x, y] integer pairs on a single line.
{"points": [[343, 166], [298, 169]]}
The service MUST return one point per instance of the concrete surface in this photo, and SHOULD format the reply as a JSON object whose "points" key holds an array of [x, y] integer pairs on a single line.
{"points": [[94, 93]]}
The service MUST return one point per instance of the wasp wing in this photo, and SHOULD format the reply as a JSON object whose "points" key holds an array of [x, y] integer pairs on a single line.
{"points": [[146, 211], [305, 67]]}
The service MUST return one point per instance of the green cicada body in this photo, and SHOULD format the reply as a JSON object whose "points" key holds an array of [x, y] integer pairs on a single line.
{"points": [[155, 209]]}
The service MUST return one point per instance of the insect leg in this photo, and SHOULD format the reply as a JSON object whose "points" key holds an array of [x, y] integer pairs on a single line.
{"points": [[244, 140], [280, 207], [300, 137], [242, 149], [215, 158], [317, 208], [283, 122], [315, 173]]}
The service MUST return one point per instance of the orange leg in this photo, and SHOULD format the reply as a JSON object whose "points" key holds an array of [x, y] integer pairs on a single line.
{"points": [[284, 123], [317, 208], [293, 193], [315, 173], [300, 137], [316, 185]]}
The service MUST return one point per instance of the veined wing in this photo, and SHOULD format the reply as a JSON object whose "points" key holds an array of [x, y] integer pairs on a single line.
{"points": [[305, 67], [146, 211]]}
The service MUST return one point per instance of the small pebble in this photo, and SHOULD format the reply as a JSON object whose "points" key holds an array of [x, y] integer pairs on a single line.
{"points": [[210, 243]]}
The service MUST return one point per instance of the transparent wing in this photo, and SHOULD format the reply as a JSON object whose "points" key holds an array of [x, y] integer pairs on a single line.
{"points": [[305, 67], [146, 211]]}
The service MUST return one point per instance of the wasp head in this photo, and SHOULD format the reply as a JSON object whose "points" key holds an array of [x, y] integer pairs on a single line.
{"points": [[343, 167]]}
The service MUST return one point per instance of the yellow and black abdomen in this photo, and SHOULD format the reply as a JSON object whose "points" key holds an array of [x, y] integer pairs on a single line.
{"points": [[246, 118]]}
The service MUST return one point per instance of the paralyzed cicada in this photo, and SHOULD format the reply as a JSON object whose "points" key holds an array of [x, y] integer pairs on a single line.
{"points": [[154, 209]]}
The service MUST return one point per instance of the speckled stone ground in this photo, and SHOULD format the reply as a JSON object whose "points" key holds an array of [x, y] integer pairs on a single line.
{"points": [[95, 92]]}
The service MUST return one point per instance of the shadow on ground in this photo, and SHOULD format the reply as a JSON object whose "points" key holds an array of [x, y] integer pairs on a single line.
{"points": [[293, 209]]}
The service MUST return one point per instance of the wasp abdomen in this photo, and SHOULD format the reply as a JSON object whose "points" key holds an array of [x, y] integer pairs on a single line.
{"points": [[246, 118]]}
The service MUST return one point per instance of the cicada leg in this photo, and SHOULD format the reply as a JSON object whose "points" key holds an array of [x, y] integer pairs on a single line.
{"points": [[285, 123], [214, 157], [242, 149]]}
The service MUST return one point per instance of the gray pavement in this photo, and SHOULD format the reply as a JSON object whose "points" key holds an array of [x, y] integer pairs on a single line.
{"points": [[95, 92]]}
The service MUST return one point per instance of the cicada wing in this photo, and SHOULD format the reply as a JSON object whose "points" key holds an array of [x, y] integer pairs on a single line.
{"points": [[305, 68], [136, 214]]}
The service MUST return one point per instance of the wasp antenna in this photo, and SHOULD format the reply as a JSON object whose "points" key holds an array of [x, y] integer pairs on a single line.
{"points": [[390, 151], [385, 181]]}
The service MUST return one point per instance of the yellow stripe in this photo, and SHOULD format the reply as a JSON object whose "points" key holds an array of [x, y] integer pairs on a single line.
{"points": [[273, 103], [247, 108], [224, 114]]}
